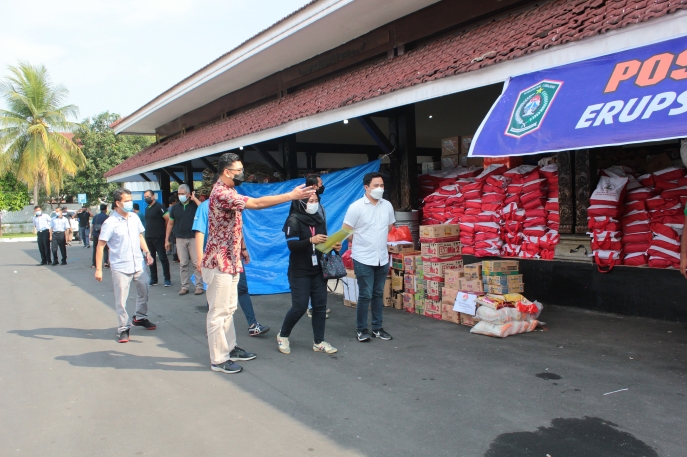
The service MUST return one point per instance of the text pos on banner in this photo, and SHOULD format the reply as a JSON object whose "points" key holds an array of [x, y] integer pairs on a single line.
{"points": [[465, 303], [82, 198], [626, 97]]}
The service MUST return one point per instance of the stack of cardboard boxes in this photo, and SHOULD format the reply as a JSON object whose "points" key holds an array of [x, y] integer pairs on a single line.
{"points": [[402, 275], [502, 277], [440, 253]]}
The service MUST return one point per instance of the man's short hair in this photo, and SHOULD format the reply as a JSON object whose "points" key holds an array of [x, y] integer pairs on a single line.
{"points": [[185, 188], [312, 179], [36, 207], [149, 191], [227, 159], [172, 199], [367, 179], [64, 208], [119, 193], [136, 207], [103, 207]]}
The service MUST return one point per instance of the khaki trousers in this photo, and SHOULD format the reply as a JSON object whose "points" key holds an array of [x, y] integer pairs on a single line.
{"points": [[188, 262], [121, 283], [222, 294]]}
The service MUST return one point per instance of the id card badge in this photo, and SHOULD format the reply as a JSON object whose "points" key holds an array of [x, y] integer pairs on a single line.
{"points": [[314, 259]]}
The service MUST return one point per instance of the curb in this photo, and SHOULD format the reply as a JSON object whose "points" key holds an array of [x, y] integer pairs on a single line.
{"points": [[17, 240]]}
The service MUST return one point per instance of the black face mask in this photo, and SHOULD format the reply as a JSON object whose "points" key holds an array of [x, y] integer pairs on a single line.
{"points": [[238, 179], [320, 191], [148, 200]]}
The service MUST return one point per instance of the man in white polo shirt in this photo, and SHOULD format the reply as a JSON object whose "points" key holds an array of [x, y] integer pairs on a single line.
{"points": [[370, 218], [123, 234]]}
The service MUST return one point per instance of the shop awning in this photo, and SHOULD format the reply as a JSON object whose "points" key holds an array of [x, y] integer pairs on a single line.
{"points": [[632, 96]]}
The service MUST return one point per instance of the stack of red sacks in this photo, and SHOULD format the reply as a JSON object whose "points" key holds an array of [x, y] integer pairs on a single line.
{"points": [[443, 204], [607, 204], [636, 234], [487, 203]]}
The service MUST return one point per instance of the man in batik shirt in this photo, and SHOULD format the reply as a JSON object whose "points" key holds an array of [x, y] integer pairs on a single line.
{"points": [[221, 265]]}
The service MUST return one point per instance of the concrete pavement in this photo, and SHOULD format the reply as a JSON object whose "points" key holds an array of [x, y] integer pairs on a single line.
{"points": [[69, 389]]}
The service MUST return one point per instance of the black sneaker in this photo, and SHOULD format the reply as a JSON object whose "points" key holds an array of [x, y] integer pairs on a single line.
{"points": [[153, 282], [145, 323], [124, 336], [381, 334], [64, 262], [227, 367], [55, 263], [239, 354], [258, 329], [364, 336]]}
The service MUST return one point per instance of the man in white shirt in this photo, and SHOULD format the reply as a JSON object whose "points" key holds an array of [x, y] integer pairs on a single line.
{"points": [[123, 234], [370, 218], [42, 223], [58, 232]]}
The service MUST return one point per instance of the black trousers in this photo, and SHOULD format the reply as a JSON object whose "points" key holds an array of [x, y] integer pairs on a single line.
{"points": [[59, 240], [43, 239], [313, 288], [106, 252], [157, 246]]}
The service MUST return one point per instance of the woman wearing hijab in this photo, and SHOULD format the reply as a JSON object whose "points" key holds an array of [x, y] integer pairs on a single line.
{"points": [[304, 229]]}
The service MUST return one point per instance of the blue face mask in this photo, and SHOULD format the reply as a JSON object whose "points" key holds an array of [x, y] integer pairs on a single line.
{"points": [[128, 206], [183, 198]]}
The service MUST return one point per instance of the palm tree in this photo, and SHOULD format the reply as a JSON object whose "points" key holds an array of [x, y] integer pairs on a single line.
{"points": [[29, 143]]}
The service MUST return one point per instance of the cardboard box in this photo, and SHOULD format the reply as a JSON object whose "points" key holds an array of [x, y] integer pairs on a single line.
{"points": [[466, 319], [398, 302], [450, 146], [448, 250], [397, 280], [419, 306], [465, 142], [420, 285], [398, 260], [433, 315], [410, 263], [434, 290], [447, 314], [449, 162], [448, 295], [500, 267], [408, 301], [432, 306], [419, 267], [472, 271], [428, 167], [350, 291], [409, 283], [511, 280], [436, 270], [440, 231], [453, 277], [401, 248], [471, 285], [501, 290], [387, 290]]}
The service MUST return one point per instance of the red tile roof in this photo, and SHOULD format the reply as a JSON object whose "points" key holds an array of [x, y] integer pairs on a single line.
{"points": [[504, 38]]}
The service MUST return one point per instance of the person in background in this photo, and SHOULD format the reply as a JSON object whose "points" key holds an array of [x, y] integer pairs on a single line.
{"points": [[180, 221], [84, 217], [172, 201], [42, 224], [304, 229], [200, 227], [123, 234], [222, 265], [96, 227], [371, 218], [156, 219], [58, 232], [68, 233], [137, 212]]}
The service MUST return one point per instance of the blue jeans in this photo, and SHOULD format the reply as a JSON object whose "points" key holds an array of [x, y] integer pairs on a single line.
{"points": [[245, 302], [84, 234], [371, 281]]}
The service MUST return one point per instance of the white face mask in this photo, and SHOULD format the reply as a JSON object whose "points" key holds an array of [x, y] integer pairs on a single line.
{"points": [[377, 193], [312, 208], [38, 213]]}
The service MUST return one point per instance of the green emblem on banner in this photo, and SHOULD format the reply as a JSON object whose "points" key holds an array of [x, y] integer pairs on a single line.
{"points": [[531, 107]]}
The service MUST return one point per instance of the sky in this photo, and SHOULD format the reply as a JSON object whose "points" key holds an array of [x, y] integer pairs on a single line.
{"points": [[118, 55]]}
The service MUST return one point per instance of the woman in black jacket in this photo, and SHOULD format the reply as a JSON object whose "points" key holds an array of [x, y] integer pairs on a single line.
{"points": [[304, 229]]}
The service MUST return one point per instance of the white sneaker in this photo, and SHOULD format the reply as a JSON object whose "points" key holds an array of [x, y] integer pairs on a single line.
{"points": [[324, 347], [283, 343]]}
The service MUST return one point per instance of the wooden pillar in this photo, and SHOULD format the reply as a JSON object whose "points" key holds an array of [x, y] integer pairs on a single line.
{"points": [[164, 180], [188, 174], [565, 192], [394, 166], [407, 153], [287, 147], [585, 182]]}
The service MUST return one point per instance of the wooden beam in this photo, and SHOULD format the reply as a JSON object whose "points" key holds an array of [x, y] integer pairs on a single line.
{"points": [[209, 164], [331, 148], [394, 167], [172, 175], [407, 140], [188, 174], [376, 133], [163, 179], [290, 156], [270, 160], [145, 178]]}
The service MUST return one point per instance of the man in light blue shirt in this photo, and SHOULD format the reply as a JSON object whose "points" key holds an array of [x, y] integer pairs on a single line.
{"points": [[200, 227], [58, 233], [42, 224], [123, 234]]}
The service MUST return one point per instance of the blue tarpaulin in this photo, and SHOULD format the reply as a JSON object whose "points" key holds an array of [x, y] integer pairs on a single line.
{"points": [[266, 242], [631, 96]]}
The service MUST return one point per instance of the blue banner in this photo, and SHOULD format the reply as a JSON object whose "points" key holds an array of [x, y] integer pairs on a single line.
{"points": [[262, 229], [627, 97]]}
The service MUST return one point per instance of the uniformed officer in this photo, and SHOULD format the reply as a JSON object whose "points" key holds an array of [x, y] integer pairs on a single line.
{"points": [[58, 233], [42, 223]]}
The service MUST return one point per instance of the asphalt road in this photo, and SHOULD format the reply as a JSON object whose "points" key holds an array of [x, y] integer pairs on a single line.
{"points": [[67, 388]]}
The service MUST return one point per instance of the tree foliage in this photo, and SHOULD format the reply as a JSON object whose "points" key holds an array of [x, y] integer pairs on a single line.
{"points": [[103, 151], [30, 143], [14, 195]]}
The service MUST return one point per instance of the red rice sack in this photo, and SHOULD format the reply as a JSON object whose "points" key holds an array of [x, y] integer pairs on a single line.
{"points": [[534, 221], [535, 212], [470, 186], [552, 194], [655, 202], [513, 226], [473, 211], [487, 227], [636, 227], [510, 250], [477, 204], [609, 191], [634, 206], [536, 185], [512, 238], [530, 196], [676, 219], [547, 254], [549, 240], [671, 256], [635, 259], [528, 255], [449, 190], [468, 250], [642, 193], [666, 243], [659, 262], [483, 236], [488, 216], [606, 260], [488, 188], [492, 206], [633, 248], [606, 241], [632, 184], [552, 205], [535, 231], [674, 193], [514, 188], [534, 203], [492, 252], [641, 237], [603, 210], [469, 218], [617, 170], [549, 171], [493, 197], [512, 199], [635, 216], [472, 194], [497, 181], [603, 223], [489, 244], [553, 225], [646, 180], [466, 227], [669, 174], [662, 186], [553, 216], [494, 169], [467, 240], [664, 230], [519, 174]]}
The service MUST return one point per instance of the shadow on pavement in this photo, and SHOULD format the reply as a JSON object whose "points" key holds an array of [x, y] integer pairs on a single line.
{"points": [[123, 361], [51, 333]]}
